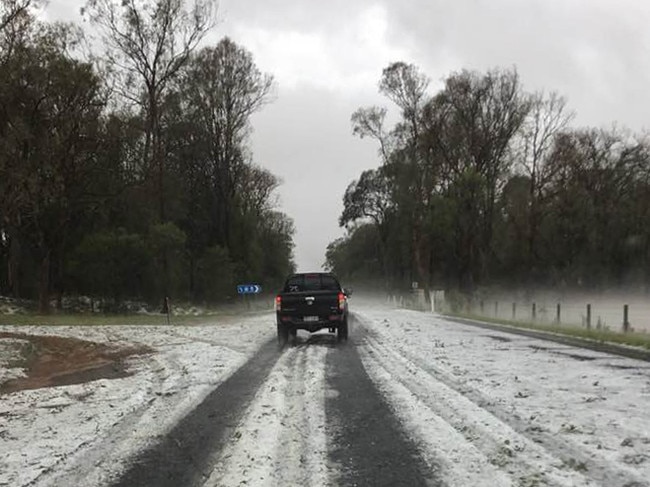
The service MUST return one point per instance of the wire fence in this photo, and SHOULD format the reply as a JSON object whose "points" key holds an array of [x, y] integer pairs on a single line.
{"points": [[602, 312], [609, 317]]}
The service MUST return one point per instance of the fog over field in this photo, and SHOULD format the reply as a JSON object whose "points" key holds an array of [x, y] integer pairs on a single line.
{"points": [[607, 308]]}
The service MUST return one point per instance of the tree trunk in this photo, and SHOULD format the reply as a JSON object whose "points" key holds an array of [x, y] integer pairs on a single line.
{"points": [[157, 163], [532, 227], [421, 260], [165, 262], [44, 284], [58, 286], [13, 267]]}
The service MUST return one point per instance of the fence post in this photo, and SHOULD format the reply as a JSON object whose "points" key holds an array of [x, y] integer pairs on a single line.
{"points": [[626, 323], [534, 314], [588, 316], [514, 311], [496, 309], [167, 309], [557, 315]]}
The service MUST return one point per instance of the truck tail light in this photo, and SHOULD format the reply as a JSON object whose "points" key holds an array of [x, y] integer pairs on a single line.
{"points": [[278, 303], [341, 301]]}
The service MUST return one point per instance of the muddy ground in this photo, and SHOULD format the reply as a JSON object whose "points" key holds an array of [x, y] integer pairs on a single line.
{"points": [[49, 361]]}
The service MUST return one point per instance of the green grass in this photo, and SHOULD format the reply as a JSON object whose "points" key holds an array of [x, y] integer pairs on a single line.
{"points": [[606, 336], [97, 319]]}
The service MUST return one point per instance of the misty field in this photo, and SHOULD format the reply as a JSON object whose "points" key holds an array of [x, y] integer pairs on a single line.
{"points": [[607, 310]]}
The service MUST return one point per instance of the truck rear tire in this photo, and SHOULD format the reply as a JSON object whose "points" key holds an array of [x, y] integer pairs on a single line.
{"points": [[342, 331], [283, 335]]}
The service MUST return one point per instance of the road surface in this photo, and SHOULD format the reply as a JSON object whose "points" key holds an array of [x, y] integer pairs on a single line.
{"points": [[412, 399]]}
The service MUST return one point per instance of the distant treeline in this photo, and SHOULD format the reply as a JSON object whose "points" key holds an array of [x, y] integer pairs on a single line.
{"points": [[486, 184], [129, 175]]}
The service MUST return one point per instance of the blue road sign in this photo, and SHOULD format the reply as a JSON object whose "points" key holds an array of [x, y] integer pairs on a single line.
{"points": [[249, 289]]}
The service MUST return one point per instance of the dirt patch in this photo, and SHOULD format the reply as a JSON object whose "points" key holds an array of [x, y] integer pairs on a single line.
{"points": [[50, 361]]}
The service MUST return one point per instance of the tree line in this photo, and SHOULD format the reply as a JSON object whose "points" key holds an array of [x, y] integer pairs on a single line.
{"points": [[485, 184], [129, 174]]}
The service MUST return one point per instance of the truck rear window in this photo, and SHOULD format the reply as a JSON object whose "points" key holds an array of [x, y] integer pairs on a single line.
{"points": [[311, 282]]}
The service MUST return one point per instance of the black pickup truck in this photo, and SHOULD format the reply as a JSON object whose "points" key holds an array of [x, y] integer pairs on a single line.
{"points": [[312, 302]]}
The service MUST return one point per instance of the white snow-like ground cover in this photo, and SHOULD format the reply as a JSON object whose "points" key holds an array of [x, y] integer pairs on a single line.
{"points": [[10, 353], [83, 434], [493, 409], [282, 437], [486, 408]]}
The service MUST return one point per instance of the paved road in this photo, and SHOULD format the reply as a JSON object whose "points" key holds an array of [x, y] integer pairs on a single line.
{"points": [[315, 380]]}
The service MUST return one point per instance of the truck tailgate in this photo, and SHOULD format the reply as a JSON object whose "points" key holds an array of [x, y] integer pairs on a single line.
{"points": [[309, 303]]}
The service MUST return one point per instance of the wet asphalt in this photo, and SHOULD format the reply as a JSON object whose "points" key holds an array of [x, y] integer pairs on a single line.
{"points": [[368, 443]]}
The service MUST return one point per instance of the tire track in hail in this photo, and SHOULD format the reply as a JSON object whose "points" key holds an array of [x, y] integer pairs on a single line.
{"points": [[281, 439], [183, 456], [368, 443], [596, 472], [462, 431]]}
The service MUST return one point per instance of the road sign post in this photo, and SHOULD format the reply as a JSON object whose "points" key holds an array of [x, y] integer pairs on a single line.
{"points": [[245, 289]]}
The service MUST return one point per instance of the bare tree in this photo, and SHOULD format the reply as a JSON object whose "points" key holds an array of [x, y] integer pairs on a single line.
{"points": [[15, 20], [406, 86], [547, 118], [10, 10], [148, 42], [369, 122]]}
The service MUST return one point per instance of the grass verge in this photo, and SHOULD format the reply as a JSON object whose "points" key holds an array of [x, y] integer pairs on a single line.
{"points": [[71, 319], [634, 339]]}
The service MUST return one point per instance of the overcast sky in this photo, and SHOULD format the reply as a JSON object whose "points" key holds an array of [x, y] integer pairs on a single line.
{"points": [[327, 58]]}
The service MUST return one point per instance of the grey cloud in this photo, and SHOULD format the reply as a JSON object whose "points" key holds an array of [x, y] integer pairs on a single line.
{"points": [[305, 138], [594, 52], [302, 15]]}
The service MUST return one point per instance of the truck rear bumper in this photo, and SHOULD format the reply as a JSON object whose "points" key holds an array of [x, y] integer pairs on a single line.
{"points": [[298, 323]]}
